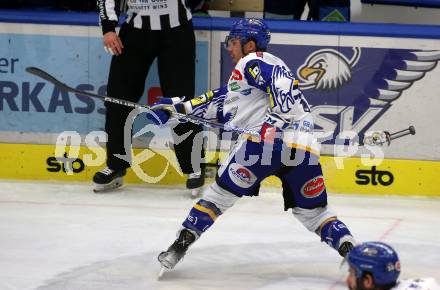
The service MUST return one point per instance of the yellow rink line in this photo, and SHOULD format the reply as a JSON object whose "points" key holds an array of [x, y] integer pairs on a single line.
{"points": [[392, 176]]}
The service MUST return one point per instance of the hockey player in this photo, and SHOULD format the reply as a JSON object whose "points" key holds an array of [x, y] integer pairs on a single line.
{"points": [[261, 95], [376, 266]]}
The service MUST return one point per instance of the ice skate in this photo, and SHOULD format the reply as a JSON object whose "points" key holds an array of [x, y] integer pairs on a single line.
{"points": [[195, 182], [176, 251], [108, 180]]}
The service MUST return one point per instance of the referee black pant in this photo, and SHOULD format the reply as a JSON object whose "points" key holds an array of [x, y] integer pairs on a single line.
{"points": [[175, 52]]}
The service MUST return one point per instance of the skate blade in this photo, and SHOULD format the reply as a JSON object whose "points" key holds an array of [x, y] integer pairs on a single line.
{"points": [[102, 188], [162, 271]]}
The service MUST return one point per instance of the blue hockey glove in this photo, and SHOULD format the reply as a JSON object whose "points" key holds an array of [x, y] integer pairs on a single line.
{"points": [[163, 109], [171, 105], [159, 116], [168, 106]]}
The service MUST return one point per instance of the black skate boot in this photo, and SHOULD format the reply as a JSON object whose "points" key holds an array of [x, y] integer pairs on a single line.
{"points": [[195, 182], [108, 179], [177, 250]]}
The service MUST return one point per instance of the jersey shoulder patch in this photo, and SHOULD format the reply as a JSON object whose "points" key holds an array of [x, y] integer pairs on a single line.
{"points": [[253, 69], [258, 72]]}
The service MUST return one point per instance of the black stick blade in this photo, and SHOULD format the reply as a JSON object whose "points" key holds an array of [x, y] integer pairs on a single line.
{"points": [[48, 77]]}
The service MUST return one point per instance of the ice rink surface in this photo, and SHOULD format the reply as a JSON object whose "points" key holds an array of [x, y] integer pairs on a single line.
{"points": [[63, 236]]}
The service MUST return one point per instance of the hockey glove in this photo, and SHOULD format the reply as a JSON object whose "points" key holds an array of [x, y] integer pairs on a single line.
{"points": [[159, 116], [272, 128], [171, 105]]}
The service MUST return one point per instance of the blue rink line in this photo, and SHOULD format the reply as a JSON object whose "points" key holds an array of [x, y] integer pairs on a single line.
{"points": [[218, 23]]}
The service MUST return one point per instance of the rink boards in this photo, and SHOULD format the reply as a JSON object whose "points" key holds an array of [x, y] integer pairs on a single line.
{"points": [[379, 77], [348, 175]]}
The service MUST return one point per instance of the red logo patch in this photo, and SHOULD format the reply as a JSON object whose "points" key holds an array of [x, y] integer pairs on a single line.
{"points": [[259, 54], [236, 75], [244, 174], [314, 187]]}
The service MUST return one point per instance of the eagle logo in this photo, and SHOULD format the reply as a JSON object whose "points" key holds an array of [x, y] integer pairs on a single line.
{"points": [[327, 69], [352, 90]]}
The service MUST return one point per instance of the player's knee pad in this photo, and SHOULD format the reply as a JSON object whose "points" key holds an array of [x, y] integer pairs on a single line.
{"points": [[222, 198], [312, 219], [202, 216], [334, 233]]}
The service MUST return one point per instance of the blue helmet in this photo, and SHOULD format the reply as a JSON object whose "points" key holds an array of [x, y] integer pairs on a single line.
{"points": [[250, 28], [377, 258]]}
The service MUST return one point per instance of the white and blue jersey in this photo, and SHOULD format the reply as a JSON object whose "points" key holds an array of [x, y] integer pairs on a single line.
{"points": [[261, 88]]}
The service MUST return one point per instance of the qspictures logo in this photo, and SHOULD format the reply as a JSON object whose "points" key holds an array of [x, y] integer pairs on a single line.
{"points": [[67, 151]]}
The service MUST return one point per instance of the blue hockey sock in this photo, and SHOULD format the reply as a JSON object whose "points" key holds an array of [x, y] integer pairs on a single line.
{"points": [[202, 216], [333, 231]]}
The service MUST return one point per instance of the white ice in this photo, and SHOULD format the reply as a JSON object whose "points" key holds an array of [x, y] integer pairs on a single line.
{"points": [[63, 236]]}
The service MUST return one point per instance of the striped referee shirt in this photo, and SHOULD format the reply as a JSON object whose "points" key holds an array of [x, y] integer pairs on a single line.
{"points": [[144, 14]]}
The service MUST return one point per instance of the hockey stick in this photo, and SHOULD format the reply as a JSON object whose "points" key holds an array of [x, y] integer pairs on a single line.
{"points": [[193, 119], [385, 137]]}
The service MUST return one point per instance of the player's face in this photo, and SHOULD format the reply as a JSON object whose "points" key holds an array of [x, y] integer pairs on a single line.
{"points": [[352, 283], [351, 280], [234, 49]]}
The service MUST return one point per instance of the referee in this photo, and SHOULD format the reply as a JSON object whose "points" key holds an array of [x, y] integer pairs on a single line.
{"points": [[159, 29]]}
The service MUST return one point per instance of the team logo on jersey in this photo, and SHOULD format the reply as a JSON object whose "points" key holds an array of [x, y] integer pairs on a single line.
{"points": [[313, 187], [284, 89], [236, 75], [255, 71], [241, 176]]}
